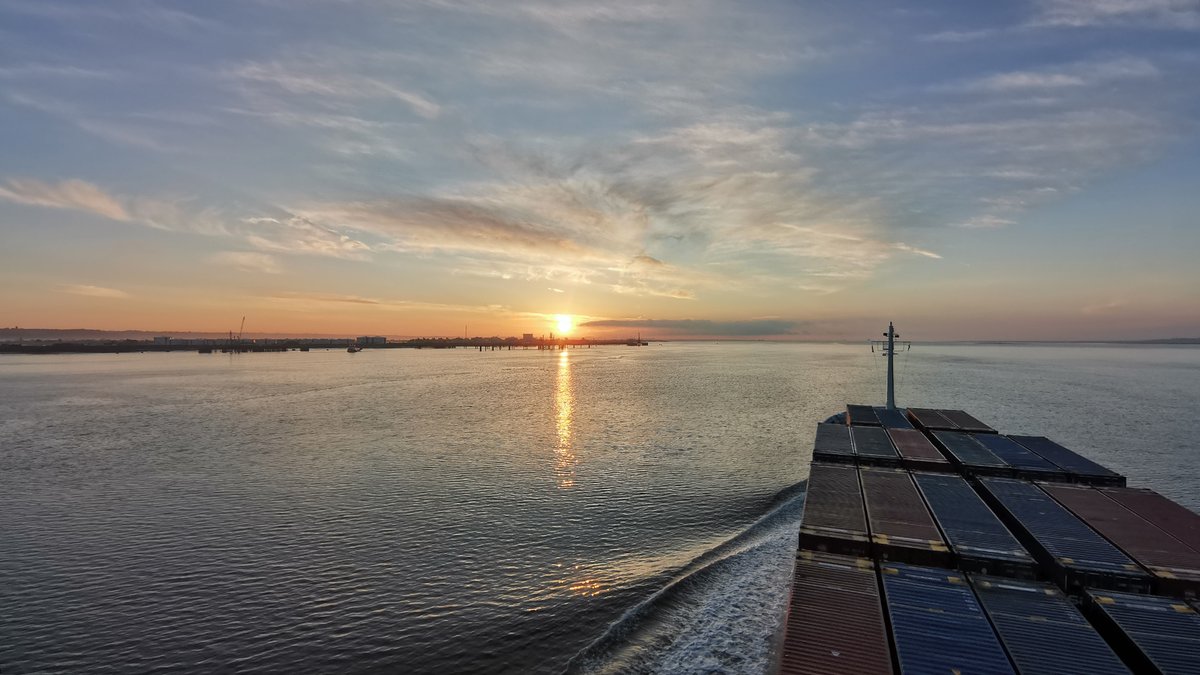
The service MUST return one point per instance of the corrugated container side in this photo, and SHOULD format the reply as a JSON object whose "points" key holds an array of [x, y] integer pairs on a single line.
{"points": [[937, 623], [966, 421], [1070, 552], [1175, 566], [1152, 634], [892, 419], [916, 452], [859, 415], [834, 520], [1168, 516], [873, 446], [1081, 469], [900, 525], [980, 542], [833, 444], [929, 419], [1043, 632], [973, 458], [1027, 463], [835, 619]]}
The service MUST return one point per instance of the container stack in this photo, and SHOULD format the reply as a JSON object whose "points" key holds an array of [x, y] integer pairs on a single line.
{"points": [[932, 543]]}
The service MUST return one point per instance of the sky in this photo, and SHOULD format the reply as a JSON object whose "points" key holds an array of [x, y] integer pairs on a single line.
{"points": [[682, 168]]}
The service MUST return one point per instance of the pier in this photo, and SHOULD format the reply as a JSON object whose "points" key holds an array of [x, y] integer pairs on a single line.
{"points": [[209, 346]]}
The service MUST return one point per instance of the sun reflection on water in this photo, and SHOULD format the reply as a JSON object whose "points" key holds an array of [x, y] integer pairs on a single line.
{"points": [[564, 403]]}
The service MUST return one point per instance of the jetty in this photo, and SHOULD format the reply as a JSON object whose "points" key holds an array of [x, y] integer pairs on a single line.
{"points": [[239, 346], [933, 543]]}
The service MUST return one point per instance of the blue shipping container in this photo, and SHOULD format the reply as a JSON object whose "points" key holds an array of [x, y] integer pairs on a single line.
{"points": [[980, 541], [1080, 467], [965, 451], [1043, 632], [1154, 634], [1026, 461], [937, 624], [1069, 550]]}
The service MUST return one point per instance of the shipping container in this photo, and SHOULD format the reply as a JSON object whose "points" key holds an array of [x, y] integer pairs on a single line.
{"points": [[860, 415], [1174, 565], [900, 524], [833, 444], [979, 541], [966, 422], [835, 618], [937, 623], [1168, 516], [873, 446], [1026, 463], [892, 418], [1151, 633], [1070, 552], [916, 452], [929, 419], [834, 519], [972, 458], [1042, 631], [1080, 468]]}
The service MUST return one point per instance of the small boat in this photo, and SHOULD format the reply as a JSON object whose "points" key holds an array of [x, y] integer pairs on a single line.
{"points": [[353, 349]]}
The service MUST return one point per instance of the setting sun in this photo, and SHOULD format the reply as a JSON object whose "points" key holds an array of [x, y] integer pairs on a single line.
{"points": [[564, 323]]}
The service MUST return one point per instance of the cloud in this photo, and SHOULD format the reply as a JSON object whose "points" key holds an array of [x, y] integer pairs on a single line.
{"points": [[75, 195], [1078, 74], [300, 235], [1159, 14], [93, 291], [310, 80], [1104, 307], [247, 261], [696, 327], [986, 222]]}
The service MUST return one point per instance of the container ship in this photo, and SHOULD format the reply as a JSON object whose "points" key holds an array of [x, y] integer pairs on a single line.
{"points": [[933, 543]]}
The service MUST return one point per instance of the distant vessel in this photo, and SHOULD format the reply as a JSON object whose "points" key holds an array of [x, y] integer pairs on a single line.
{"points": [[353, 349]]}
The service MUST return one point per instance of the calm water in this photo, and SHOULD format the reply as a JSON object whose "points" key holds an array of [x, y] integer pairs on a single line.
{"points": [[613, 509]]}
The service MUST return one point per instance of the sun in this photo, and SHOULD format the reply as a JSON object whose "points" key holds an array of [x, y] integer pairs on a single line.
{"points": [[564, 322]]}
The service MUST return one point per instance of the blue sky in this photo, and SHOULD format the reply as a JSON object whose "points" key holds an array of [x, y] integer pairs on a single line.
{"points": [[970, 170]]}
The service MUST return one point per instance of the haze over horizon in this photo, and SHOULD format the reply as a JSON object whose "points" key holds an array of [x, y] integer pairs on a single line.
{"points": [[1008, 171]]}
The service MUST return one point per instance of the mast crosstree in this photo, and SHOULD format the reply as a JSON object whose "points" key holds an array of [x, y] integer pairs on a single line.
{"points": [[888, 347]]}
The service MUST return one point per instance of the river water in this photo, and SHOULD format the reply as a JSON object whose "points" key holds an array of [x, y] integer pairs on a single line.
{"points": [[616, 509]]}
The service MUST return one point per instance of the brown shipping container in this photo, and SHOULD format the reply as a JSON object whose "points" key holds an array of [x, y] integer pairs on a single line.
{"points": [[928, 418], [834, 519], [1175, 566], [835, 619], [1170, 517], [899, 522], [966, 421], [916, 450]]}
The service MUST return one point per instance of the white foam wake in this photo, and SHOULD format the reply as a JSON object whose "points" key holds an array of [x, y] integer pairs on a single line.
{"points": [[722, 614]]}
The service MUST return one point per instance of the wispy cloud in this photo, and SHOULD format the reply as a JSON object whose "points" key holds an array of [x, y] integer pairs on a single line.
{"points": [[1161, 14], [76, 195], [312, 81], [698, 327], [94, 291], [247, 261], [1079, 74]]}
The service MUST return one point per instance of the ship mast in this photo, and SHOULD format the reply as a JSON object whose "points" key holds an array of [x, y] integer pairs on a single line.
{"points": [[888, 347]]}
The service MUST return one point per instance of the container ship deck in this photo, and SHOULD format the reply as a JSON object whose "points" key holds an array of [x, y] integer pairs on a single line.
{"points": [[932, 543]]}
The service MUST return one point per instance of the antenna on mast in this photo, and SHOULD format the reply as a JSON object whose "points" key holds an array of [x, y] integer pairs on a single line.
{"points": [[888, 347]]}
